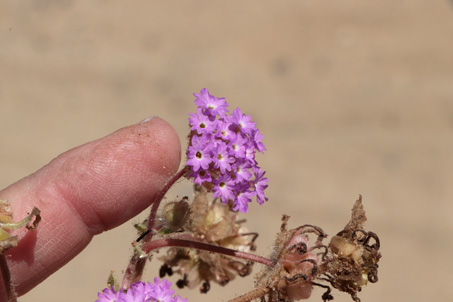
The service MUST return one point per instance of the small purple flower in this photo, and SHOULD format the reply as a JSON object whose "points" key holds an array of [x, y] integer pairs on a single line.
{"points": [[142, 292], [257, 138], [210, 104], [132, 295], [242, 171], [250, 154], [107, 295], [201, 176], [238, 146], [243, 197], [137, 293], [243, 121], [224, 188], [198, 154], [260, 183], [200, 123], [221, 158], [161, 291], [223, 131]]}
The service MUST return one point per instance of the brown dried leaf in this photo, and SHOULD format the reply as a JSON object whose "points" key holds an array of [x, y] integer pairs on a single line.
{"points": [[358, 217], [33, 223]]}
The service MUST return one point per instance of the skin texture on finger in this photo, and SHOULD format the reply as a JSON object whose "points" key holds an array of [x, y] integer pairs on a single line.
{"points": [[85, 191]]}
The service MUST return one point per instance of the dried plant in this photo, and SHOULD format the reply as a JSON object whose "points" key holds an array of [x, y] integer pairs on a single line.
{"points": [[347, 263], [213, 223]]}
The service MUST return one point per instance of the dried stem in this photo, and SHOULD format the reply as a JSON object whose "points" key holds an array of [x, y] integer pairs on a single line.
{"points": [[137, 264], [9, 287]]}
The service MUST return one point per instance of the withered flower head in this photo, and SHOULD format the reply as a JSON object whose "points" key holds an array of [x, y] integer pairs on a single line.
{"points": [[296, 264], [354, 255], [347, 263], [214, 223]]}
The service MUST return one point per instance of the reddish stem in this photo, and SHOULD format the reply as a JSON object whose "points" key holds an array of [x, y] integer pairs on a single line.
{"points": [[158, 199], [136, 266], [167, 242]]}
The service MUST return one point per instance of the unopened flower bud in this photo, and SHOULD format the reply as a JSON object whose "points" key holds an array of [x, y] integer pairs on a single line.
{"points": [[175, 214]]}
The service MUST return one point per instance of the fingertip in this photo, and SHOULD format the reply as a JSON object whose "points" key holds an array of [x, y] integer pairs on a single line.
{"points": [[167, 140], [114, 178]]}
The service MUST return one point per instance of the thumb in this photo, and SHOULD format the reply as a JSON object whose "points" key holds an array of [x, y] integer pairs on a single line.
{"points": [[85, 191]]}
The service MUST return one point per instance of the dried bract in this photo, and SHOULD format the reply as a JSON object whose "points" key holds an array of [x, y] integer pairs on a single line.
{"points": [[354, 256], [296, 264], [175, 215], [214, 223]]}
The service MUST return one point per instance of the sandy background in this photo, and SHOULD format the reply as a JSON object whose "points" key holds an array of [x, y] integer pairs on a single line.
{"points": [[352, 97]]}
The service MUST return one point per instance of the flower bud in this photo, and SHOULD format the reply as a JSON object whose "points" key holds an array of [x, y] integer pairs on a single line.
{"points": [[175, 214]]}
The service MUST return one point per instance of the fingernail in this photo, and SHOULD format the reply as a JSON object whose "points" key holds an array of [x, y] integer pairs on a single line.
{"points": [[147, 119]]}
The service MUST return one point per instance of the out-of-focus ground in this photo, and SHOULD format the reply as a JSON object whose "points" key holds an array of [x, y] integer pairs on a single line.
{"points": [[353, 97]]}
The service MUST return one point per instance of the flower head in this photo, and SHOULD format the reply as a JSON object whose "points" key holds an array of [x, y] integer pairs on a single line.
{"points": [[107, 295], [160, 291], [221, 152]]}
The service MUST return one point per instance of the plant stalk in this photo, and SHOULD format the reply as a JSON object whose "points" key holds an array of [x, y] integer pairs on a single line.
{"points": [[8, 283], [167, 242], [136, 266]]}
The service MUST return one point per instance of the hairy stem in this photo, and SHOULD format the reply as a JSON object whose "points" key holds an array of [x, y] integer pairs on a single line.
{"points": [[134, 271], [137, 264], [158, 199]]}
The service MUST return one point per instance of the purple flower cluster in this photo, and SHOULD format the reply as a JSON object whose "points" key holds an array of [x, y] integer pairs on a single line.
{"points": [[142, 292], [221, 153]]}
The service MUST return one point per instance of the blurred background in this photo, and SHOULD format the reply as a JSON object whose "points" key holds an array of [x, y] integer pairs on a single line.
{"points": [[353, 97]]}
